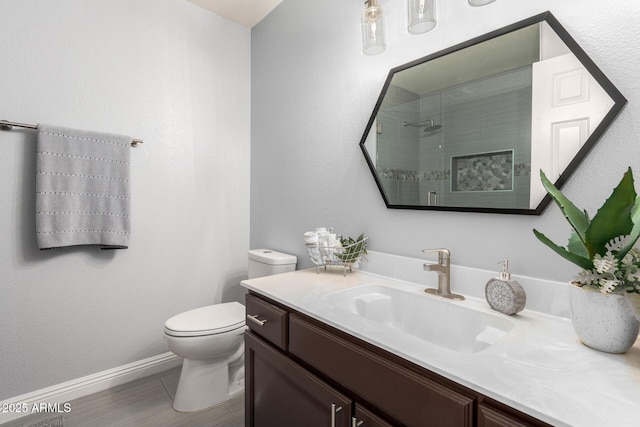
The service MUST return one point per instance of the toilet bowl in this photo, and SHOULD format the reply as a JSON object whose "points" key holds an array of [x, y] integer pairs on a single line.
{"points": [[211, 341]]}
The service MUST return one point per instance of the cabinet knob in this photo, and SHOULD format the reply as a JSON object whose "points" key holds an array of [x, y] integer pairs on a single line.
{"points": [[334, 411], [254, 318]]}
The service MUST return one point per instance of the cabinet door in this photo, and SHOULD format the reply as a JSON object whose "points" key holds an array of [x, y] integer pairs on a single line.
{"points": [[364, 418], [281, 393]]}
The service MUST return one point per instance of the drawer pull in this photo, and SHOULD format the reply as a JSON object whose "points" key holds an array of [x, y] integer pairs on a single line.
{"points": [[334, 410], [355, 422], [254, 318]]}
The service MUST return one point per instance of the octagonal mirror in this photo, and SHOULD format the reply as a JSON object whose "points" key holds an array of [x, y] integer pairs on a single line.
{"points": [[469, 128]]}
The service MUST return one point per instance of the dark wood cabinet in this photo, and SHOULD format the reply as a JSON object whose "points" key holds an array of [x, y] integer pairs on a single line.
{"points": [[411, 398], [281, 393], [302, 372]]}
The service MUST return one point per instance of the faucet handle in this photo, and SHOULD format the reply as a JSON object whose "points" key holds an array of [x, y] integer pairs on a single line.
{"points": [[445, 251], [443, 254]]}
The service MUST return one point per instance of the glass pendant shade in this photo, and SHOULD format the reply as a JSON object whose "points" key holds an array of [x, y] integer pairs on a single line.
{"points": [[421, 16], [480, 2], [373, 37]]}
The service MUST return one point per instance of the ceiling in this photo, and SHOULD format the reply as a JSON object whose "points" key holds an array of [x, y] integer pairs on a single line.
{"points": [[244, 12]]}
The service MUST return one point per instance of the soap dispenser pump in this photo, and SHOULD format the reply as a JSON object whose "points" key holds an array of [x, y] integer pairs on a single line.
{"points": [[503, 294]]}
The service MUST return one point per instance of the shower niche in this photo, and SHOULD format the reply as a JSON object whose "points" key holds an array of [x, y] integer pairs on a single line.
{"points": [[469, 128]]}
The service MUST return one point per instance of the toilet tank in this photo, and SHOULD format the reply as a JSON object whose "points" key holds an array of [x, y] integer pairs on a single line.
{"points": [[265, 262]]}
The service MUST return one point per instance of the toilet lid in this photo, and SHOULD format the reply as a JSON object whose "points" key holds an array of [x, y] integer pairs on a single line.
{"points": [[209, 320]]}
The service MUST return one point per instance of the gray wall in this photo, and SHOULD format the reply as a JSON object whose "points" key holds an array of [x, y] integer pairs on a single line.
{"points": [[165, 71], [312, 94]]}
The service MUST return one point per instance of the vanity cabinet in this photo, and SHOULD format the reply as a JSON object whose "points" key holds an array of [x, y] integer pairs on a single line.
{"points": [[309, 373], [412, 398], [282, 393]]}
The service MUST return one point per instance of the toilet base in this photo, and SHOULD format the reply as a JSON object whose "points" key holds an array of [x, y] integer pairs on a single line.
{"points": [[204, 384]]}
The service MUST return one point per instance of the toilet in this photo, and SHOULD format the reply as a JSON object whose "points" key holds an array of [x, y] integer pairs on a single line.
{"points": [[211, 341]]}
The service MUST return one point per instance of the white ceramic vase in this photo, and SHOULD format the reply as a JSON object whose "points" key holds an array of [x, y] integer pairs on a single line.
{"points": [[605, 322]]}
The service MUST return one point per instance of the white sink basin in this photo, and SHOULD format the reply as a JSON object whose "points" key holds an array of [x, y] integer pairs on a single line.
{"points": [[445, 323]]}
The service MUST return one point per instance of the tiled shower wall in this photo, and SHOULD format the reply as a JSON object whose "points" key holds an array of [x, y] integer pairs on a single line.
{"points": [[397, 161]]}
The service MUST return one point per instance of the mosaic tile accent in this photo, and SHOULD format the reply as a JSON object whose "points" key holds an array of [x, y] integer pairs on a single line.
{"points": [[519, 169], [483, 172], [414, 176]]}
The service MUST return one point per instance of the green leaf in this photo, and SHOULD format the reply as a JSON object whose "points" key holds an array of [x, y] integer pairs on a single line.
{"points": [[352, 248], [578, 260], [576, 246], [579, 220], [635, 231], [613, 219]]}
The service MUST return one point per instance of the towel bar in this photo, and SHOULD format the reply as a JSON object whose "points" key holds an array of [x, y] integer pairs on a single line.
{"points": [[7, 125]]}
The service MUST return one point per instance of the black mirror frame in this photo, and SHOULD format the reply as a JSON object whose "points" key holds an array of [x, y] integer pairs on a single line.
{"points": [[617, 97]]}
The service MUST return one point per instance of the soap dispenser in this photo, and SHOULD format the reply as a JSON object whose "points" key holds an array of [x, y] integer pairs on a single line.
{"points": [[503, 294]]}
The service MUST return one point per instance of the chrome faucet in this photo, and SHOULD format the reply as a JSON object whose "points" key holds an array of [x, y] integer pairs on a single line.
{"points": [[444, 274]]}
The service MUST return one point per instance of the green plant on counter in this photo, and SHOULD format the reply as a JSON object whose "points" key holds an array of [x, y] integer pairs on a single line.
{"points": [[352, 249], [603, 246]]}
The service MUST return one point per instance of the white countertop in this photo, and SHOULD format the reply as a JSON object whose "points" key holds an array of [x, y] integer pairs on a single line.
{"points": [[539, 368]]}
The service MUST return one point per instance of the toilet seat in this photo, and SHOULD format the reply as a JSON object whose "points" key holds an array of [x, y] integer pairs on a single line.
{"points": [[209, 320]]}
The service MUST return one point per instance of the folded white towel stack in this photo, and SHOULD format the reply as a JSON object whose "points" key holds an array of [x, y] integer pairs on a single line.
{"points": [[82, 188]]}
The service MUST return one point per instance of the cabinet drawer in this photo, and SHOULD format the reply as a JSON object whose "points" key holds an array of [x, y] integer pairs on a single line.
{"points": [[410, 398], [267, 320], [490, 416]]}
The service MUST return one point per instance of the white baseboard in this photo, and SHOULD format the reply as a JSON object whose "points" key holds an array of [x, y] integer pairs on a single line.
{"points": [[85, 386]]}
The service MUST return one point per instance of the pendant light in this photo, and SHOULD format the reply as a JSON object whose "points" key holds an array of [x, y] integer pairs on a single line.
{"points": [[421, 16], [480, 2], [373, 37]]}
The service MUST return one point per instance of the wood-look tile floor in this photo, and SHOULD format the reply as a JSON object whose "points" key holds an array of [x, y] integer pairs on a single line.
{"points": [[143, 403]]}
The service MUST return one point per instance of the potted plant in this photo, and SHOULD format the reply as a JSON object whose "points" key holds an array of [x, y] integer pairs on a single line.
{"points": [[605, 294]]}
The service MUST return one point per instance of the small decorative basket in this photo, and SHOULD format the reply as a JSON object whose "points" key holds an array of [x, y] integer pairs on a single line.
{"points": [[347, 256]]}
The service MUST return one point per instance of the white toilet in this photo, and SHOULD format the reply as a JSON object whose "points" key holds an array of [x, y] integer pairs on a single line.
{"points": [[211, 341]]}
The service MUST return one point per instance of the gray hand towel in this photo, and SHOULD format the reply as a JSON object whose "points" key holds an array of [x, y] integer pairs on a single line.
{"points": [[82, 188]]}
